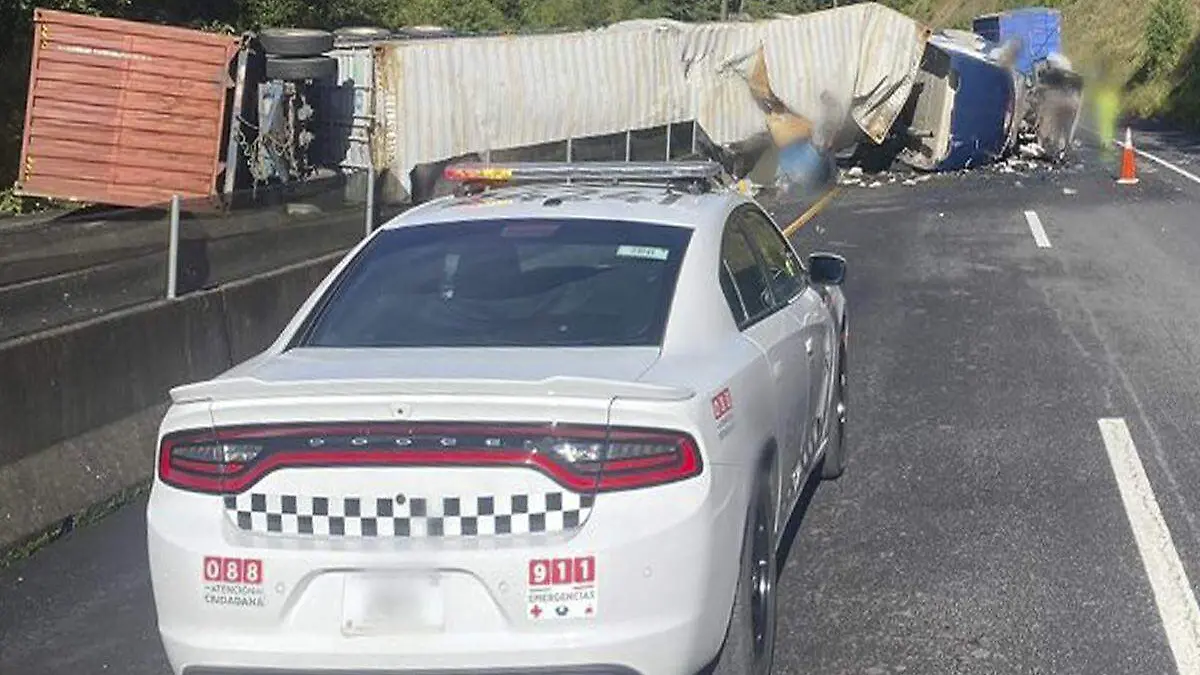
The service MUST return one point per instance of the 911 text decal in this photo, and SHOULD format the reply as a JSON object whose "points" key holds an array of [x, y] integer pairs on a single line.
{"points": [[722, 404], [562, 588], [722, 410]]}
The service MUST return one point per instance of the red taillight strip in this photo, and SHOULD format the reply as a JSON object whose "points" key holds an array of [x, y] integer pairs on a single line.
{"points": [[622, 474], [205, 467]]}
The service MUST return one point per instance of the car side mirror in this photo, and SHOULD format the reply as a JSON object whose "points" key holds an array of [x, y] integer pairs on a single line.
{"points": [[826, 269]]}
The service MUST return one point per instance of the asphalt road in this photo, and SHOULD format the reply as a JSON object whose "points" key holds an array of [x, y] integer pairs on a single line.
{"points": [[979, 527]]}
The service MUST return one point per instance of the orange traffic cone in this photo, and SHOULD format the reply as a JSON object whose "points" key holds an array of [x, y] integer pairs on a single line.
{"points": [[1128, 169]]}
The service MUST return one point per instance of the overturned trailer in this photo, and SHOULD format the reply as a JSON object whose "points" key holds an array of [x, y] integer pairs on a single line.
{"points": [[835, 77]]}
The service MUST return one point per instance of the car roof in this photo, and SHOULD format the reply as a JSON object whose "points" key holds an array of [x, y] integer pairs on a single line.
{"points": [[628, 202]]}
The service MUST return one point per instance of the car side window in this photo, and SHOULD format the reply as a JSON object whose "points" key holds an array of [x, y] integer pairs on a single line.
{"points": [[732, 295], [742, 278], [783, 268]]}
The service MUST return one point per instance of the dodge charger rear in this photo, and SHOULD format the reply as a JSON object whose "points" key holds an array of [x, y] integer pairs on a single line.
{"points": [[516, 431], [472, 449]]}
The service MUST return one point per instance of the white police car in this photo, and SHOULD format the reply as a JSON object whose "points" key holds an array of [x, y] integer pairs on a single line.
{"points": [[544, 427]]}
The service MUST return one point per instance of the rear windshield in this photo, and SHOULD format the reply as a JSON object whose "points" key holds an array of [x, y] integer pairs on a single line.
{"points": [[538, 282]]}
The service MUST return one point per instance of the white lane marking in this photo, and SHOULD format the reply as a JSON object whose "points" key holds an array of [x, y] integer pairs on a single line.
{"points": [[1172, 590], [1182, 172], [1039, 232]]}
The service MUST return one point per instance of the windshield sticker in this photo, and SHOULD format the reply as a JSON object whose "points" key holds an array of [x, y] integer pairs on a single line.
{"points": [[529, 230], [562, 588], [643, 252]]}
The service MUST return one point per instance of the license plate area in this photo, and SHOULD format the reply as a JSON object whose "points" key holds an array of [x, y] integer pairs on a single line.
{"points": [[390, 603]]}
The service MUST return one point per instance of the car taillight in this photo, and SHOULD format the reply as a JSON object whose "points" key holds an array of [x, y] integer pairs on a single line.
{"points": [[583, 459]]}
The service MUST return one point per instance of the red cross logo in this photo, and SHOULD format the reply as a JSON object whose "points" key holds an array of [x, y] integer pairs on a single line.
{"points": [[536, 611]]}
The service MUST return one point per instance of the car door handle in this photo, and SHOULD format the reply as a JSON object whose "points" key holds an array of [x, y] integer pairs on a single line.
{"points": [[808, 346]]}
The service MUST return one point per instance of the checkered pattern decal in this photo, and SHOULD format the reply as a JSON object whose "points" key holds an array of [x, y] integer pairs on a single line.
{"points": [[404, 516]]}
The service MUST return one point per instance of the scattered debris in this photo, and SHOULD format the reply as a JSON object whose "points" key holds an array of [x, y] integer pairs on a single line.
{"points": [[748, 187], [1031, 150]]}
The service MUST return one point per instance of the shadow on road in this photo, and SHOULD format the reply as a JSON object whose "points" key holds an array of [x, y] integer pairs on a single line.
{"points": [[797, 518]]}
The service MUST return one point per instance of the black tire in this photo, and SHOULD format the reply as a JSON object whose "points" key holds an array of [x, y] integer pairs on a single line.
{"points": [[295, 41], [833, 465], [355, 33], [749, 647], [299, 69]]}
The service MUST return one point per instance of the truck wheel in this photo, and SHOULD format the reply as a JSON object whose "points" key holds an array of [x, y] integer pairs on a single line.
{"points": [[300, 69], [749, 647], [295, 41]]}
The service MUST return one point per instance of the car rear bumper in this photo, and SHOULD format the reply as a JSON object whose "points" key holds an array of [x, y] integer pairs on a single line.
{"points": [[664, 587]]}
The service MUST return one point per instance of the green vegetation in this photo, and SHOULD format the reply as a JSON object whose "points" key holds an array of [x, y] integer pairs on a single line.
{"points": [[1149, 48], [1167, 31]]}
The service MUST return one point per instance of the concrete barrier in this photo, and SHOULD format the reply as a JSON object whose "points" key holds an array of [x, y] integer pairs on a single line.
{"points": [[80, 405], [256, 313]]}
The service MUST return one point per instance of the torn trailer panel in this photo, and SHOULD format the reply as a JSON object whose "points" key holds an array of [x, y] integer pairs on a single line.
{"points": [[124, 113]]}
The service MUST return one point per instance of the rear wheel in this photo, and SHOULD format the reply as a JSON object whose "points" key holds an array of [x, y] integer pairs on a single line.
{"points": [[302, 68], [295, 41], [749, 647]]}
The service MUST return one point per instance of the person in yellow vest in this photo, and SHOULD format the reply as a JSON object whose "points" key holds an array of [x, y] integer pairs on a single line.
{"points": [[1107, 107]]}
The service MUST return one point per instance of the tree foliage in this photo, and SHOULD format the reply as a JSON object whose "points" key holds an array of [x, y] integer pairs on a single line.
{"points": [[1168, 29]]}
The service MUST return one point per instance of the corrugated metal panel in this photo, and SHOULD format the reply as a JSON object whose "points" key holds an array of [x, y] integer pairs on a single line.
{"points": [[864, 56], [121, 112], [344, 112], [444, 98]]}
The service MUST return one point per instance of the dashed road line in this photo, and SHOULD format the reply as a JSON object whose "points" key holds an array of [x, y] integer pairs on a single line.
{"points": [[1172, 591], [1039, 232]]}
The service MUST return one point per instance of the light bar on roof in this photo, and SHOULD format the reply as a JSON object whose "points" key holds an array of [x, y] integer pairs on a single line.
{"points": [[582, 171]]}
